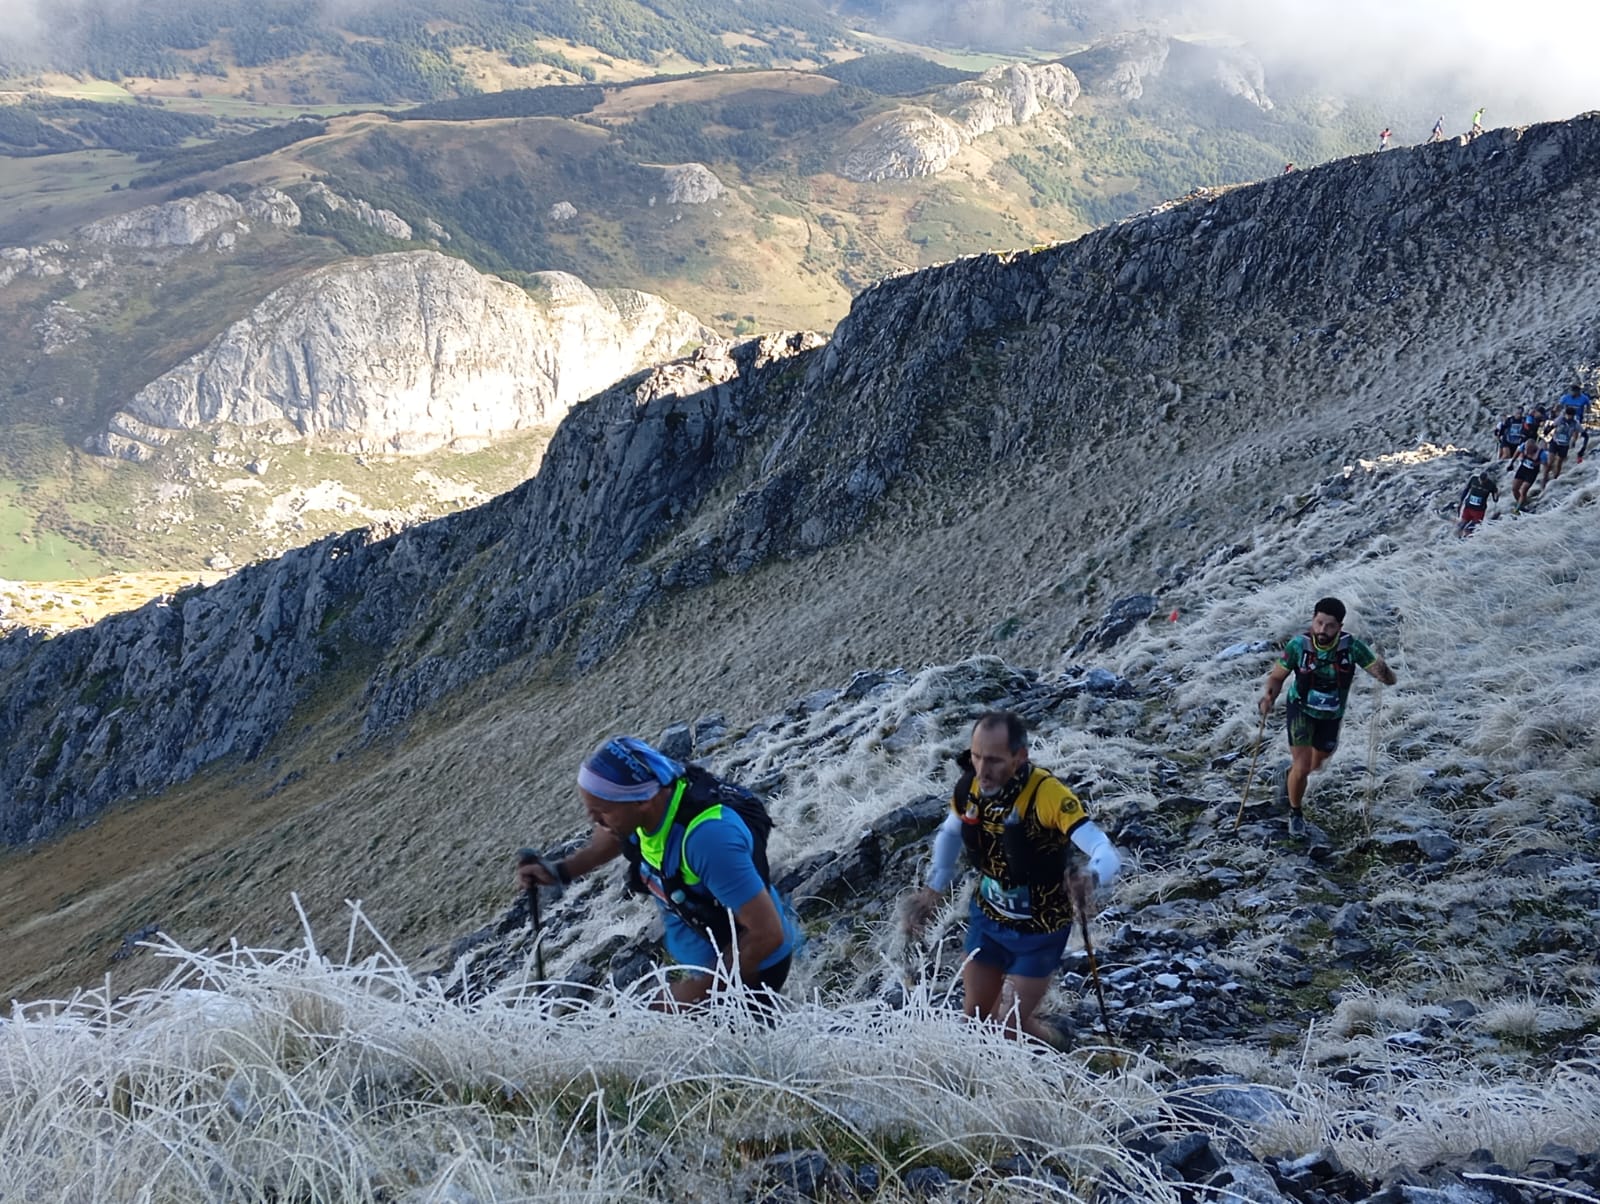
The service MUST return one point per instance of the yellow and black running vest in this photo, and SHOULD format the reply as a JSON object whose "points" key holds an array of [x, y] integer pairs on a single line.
{"points": [[1019, 841]]}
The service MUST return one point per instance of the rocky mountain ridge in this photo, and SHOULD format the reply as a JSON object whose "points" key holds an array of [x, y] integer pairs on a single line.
{"points": [[404, 353], [1098, 482], [1127, 65], [753, 454], [917, 141]]}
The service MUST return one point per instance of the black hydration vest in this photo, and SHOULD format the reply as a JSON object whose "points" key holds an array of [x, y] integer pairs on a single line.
{"points": [[1305, 674], [701, 791], [1031, 858]]}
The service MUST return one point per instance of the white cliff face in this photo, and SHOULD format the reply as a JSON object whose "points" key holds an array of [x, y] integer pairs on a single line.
{"points": [[404, 353], [1243, 76], [1138, 56], [189, 220], [691, 184], [917, 141], [912, 141], [1012, 95]]}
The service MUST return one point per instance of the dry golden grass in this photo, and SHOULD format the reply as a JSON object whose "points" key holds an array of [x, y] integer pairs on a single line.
{"points": [[56, 606]]}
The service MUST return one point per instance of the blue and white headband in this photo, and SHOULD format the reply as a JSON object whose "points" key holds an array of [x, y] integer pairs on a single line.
{"points": [[627, 770]]}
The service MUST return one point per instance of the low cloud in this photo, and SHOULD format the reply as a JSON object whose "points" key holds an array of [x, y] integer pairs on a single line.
{"points": [[1530, 61], [1526, 60]]}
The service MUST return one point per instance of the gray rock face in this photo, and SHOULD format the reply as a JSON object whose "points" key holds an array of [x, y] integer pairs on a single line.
{"points": [[685, 184], [406, 353], [918, 141], [768, 449], [180, 223], [385, 221]]}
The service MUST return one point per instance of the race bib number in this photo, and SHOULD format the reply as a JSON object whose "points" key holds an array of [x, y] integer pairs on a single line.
{"points": [[1323, 702], [1013, 903]]}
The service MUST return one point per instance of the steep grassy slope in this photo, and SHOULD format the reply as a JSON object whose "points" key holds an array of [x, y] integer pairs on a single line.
{"points": [[980, 460]]}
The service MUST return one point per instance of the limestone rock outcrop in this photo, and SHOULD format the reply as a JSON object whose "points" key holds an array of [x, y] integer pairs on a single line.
{"points": [[1012, 95], [169, 228], [916, 140], [689, 184], [38, 262], [405, 352], [1242, 76], [1127, 62], [274, 207], [385, 221], [912, 141], [189, 220], [1131, 64]]}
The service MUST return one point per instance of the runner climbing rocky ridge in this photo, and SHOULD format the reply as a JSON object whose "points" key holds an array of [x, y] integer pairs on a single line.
{"points": [[745, 512]]}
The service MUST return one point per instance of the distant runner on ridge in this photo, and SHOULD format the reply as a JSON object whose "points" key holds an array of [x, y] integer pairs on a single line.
{"points": [[1322, 664], [1475, 500]]}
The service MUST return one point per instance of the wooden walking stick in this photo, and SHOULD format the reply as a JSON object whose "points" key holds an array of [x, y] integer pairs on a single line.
{"points": [[1261, 729], [1372, 761]]}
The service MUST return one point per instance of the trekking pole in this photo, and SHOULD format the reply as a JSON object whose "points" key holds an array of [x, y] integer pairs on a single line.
{"points": [[1372, 761], [533, 857], [1261, 729], [1079, 890]]}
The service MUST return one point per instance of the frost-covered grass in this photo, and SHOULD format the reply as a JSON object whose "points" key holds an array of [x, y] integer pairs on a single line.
{"points": [[1487, 634], [1427, 1111], [259, 1075]]}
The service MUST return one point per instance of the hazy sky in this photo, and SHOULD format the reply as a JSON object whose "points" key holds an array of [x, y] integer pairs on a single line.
{"points": [[1535, 55], [1530, 59]]}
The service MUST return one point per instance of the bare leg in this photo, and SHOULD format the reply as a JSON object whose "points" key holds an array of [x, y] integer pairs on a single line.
{"points": [[1300, 767], [981, 985], [1019, 1000], [1306, 761]]}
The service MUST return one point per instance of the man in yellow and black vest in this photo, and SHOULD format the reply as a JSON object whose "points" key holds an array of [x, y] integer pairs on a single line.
{"points": [[1017, 823]]}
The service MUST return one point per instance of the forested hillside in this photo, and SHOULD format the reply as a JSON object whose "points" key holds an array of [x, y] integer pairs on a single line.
{"points": [[405, 50]]}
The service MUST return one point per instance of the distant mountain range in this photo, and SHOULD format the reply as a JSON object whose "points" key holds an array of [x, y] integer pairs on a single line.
{"points": [[753, 200]]}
